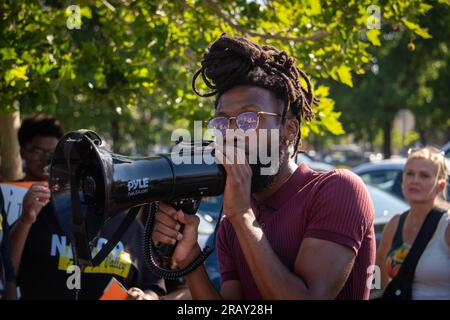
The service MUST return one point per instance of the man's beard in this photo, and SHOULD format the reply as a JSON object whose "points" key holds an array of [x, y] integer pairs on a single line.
{"points": [[262, 182]]}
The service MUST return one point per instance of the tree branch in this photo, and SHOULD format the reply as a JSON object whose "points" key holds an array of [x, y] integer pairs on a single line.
{"points": [[108, 5], [266, 36]]}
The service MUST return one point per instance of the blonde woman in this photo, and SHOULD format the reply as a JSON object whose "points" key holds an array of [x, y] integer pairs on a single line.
{"points": [[424, 181]]}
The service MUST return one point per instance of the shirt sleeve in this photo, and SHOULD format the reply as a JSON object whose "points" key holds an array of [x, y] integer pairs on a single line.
{"points": [[342, 211], [224, 253]]}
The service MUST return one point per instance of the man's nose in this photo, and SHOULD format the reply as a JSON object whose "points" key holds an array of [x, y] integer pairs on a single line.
{"points": [[233, 124]]}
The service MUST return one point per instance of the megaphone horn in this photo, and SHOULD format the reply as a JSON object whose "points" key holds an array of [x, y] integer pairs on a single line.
{"points": [[91, 185]]}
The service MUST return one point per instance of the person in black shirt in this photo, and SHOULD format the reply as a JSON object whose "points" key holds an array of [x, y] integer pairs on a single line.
{"points": [[7, 278], [41, 252], [47, 255]]}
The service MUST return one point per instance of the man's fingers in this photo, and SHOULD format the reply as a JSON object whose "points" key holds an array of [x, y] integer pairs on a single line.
{"points": [[231, 156], [42, 185], [166, 220], [39, 184], [167, 209], [188, 219], [40, 188], [159, 237], [223, 160], [135, 291], [241, 171], [34, 197], [38, 199], [172, 233], [40, 195], [135, 294]]}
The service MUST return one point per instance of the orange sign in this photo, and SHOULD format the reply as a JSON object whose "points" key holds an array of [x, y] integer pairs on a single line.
{"points": [[114, 291]]}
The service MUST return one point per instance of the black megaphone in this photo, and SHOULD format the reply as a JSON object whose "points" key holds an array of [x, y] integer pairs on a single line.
{"points": [[90, 185]]}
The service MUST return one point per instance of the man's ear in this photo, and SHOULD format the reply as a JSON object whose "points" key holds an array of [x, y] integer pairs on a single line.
{"points": [[292, 128]]}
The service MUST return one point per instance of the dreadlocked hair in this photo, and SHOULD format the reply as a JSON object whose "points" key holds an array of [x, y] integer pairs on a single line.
{"points": [[233, 61]]}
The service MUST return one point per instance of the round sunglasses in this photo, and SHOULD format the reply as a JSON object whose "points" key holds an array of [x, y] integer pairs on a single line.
{"points": [[244, 121]]}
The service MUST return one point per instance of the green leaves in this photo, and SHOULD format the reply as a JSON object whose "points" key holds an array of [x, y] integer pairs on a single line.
{"points": [[343, 74], [373, 36], [315, 7], [139, 56], [8, 53], [325, 114], [413, 80], [16, 73], [422, 32]]}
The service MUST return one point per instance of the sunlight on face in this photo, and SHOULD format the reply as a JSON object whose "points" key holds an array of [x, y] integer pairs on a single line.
{"points": [[420, 180]]}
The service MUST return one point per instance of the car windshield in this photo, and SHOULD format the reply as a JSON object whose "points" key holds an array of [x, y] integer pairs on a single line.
{"points": [[386, 180]]}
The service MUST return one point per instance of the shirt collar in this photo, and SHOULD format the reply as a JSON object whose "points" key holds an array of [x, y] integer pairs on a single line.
{"points": [[290, 187]]}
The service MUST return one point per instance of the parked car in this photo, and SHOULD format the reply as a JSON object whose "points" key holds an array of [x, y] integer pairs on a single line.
{"points": [[208, 212], [313, 164], [210, 207], [446, 149], [346, 156], [386, 206], [205, 229], [387, 175]]}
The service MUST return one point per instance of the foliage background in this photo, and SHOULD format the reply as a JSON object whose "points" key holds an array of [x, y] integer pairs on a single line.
{"points": [[127, 71]]}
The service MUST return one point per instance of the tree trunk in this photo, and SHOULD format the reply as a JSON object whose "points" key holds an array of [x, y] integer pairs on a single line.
{"points": [[11, 163], [387, 139]]}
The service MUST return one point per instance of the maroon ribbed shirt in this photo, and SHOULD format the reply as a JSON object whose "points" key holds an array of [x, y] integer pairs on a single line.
{"points": [[333, 206]]}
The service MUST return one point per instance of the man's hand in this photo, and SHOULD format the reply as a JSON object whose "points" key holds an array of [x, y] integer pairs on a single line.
{"points": [[138, 294], [166, 230], [237, 193], [34, 200]]}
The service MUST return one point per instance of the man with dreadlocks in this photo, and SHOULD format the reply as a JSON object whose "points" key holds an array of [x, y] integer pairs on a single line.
{"points": [[298, 234]]}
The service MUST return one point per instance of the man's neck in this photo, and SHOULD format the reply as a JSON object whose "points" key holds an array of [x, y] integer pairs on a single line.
{"points": [[282, 176]]}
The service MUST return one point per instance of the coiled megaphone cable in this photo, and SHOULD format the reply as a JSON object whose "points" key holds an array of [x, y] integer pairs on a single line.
{"points": [[150, 252]]}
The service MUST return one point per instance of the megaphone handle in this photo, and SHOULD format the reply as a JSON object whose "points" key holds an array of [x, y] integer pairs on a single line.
{"points": [[188, 206], [166, 250]]}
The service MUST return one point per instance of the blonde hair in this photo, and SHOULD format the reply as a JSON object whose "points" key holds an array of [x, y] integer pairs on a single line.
{"points": [[436, 156]]}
